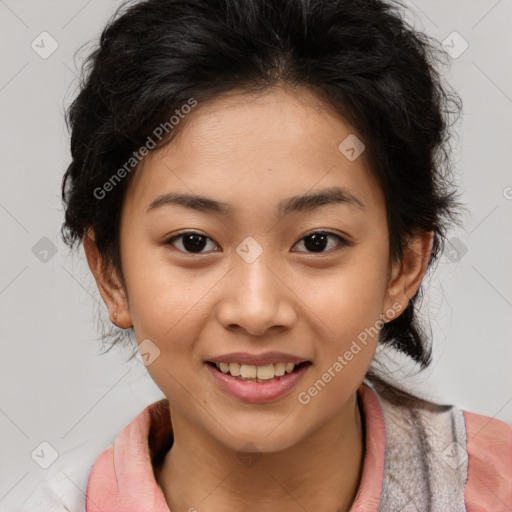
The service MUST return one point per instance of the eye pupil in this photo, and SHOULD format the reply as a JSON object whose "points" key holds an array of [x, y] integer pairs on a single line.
{"points": [[319, 241], [194, 242]]}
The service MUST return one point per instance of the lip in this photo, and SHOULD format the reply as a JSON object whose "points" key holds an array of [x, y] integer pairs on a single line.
{"points": [[257, 359], [257, 392]]}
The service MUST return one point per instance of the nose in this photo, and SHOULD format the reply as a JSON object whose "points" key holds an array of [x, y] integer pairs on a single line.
{"points": [[256, 298]]}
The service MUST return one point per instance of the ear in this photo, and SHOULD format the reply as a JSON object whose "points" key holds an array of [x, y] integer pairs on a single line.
{"points": [[108, 283], [406, 276]]}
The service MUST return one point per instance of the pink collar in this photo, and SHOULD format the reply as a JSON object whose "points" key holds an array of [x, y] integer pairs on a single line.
{"points": [[122, 478]]}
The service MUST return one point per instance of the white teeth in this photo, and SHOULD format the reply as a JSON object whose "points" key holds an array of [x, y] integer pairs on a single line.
{"points": [[289, 367], [234, 369], [249, 371], [279, 369], [265, 372]]}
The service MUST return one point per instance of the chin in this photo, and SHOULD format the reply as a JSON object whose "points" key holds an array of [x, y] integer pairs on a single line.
{"points": [[270, 438]]}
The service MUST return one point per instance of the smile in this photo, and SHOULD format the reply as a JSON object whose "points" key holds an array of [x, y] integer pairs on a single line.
{"points": [[257, 384], [253, 373]]}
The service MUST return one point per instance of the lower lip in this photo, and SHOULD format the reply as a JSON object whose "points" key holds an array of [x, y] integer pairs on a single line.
{"points": [[258, 392]]}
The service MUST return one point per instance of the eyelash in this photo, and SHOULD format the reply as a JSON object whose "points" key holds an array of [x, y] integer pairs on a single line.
{"points": [[342, 241]]}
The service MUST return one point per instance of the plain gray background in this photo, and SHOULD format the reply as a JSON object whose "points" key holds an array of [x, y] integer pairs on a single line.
{"points": [[54, 385]]}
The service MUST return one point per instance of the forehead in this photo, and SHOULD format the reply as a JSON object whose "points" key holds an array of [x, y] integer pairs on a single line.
{"points": [[245, 148]]}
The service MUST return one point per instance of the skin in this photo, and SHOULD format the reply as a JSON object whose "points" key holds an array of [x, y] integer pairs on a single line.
{"points": [[252, 151]]}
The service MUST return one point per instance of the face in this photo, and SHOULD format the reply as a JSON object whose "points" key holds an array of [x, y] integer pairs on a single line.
{"points": [[255, 275]]}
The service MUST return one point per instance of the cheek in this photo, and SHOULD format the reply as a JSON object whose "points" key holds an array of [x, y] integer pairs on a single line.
{"points": [[350, 297], [349, 303], [169, 308], [350, 316], [165, 300]]}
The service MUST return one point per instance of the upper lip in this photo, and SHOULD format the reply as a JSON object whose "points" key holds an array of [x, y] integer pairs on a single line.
{"points": [[257, 359]]}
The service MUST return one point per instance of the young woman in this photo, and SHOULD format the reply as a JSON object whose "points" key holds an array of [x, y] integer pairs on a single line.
{"points": [[260, 187]]}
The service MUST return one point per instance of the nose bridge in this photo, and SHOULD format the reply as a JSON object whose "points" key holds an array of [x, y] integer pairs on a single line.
{"points": [[255, 298], [255, 277]]}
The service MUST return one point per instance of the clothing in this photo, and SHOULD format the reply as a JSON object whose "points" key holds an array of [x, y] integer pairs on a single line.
{"points": [[419, 457]]}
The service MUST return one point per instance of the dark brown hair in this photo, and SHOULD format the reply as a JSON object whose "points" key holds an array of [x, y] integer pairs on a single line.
{"points": [[361, 57]]}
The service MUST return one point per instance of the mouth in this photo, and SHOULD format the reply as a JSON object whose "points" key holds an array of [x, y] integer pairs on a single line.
{"points": [[259, 374]]}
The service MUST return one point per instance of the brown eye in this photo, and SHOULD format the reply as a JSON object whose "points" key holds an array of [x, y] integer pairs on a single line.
{"points": [[318, 241], [190, 242]]}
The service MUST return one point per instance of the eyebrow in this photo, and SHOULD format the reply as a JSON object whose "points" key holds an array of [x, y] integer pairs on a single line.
{"points": [[308, 202]]}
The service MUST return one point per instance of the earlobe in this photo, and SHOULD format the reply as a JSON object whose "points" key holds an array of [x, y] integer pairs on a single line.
{"points": [[109, 286], [407, 275]]}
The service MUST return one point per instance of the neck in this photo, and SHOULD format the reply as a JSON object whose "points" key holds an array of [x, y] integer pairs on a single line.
{"points": [[322, 472]]}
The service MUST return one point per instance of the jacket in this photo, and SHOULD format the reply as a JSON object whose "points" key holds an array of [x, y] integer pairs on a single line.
{"points": [[419, 457]]}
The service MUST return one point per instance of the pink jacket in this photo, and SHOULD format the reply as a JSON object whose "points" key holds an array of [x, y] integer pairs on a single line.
{"points": [[419, 457]]}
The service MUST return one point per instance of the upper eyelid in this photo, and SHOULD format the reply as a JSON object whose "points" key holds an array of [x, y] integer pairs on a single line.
{"points": [[342, 239], [183, 233]]}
